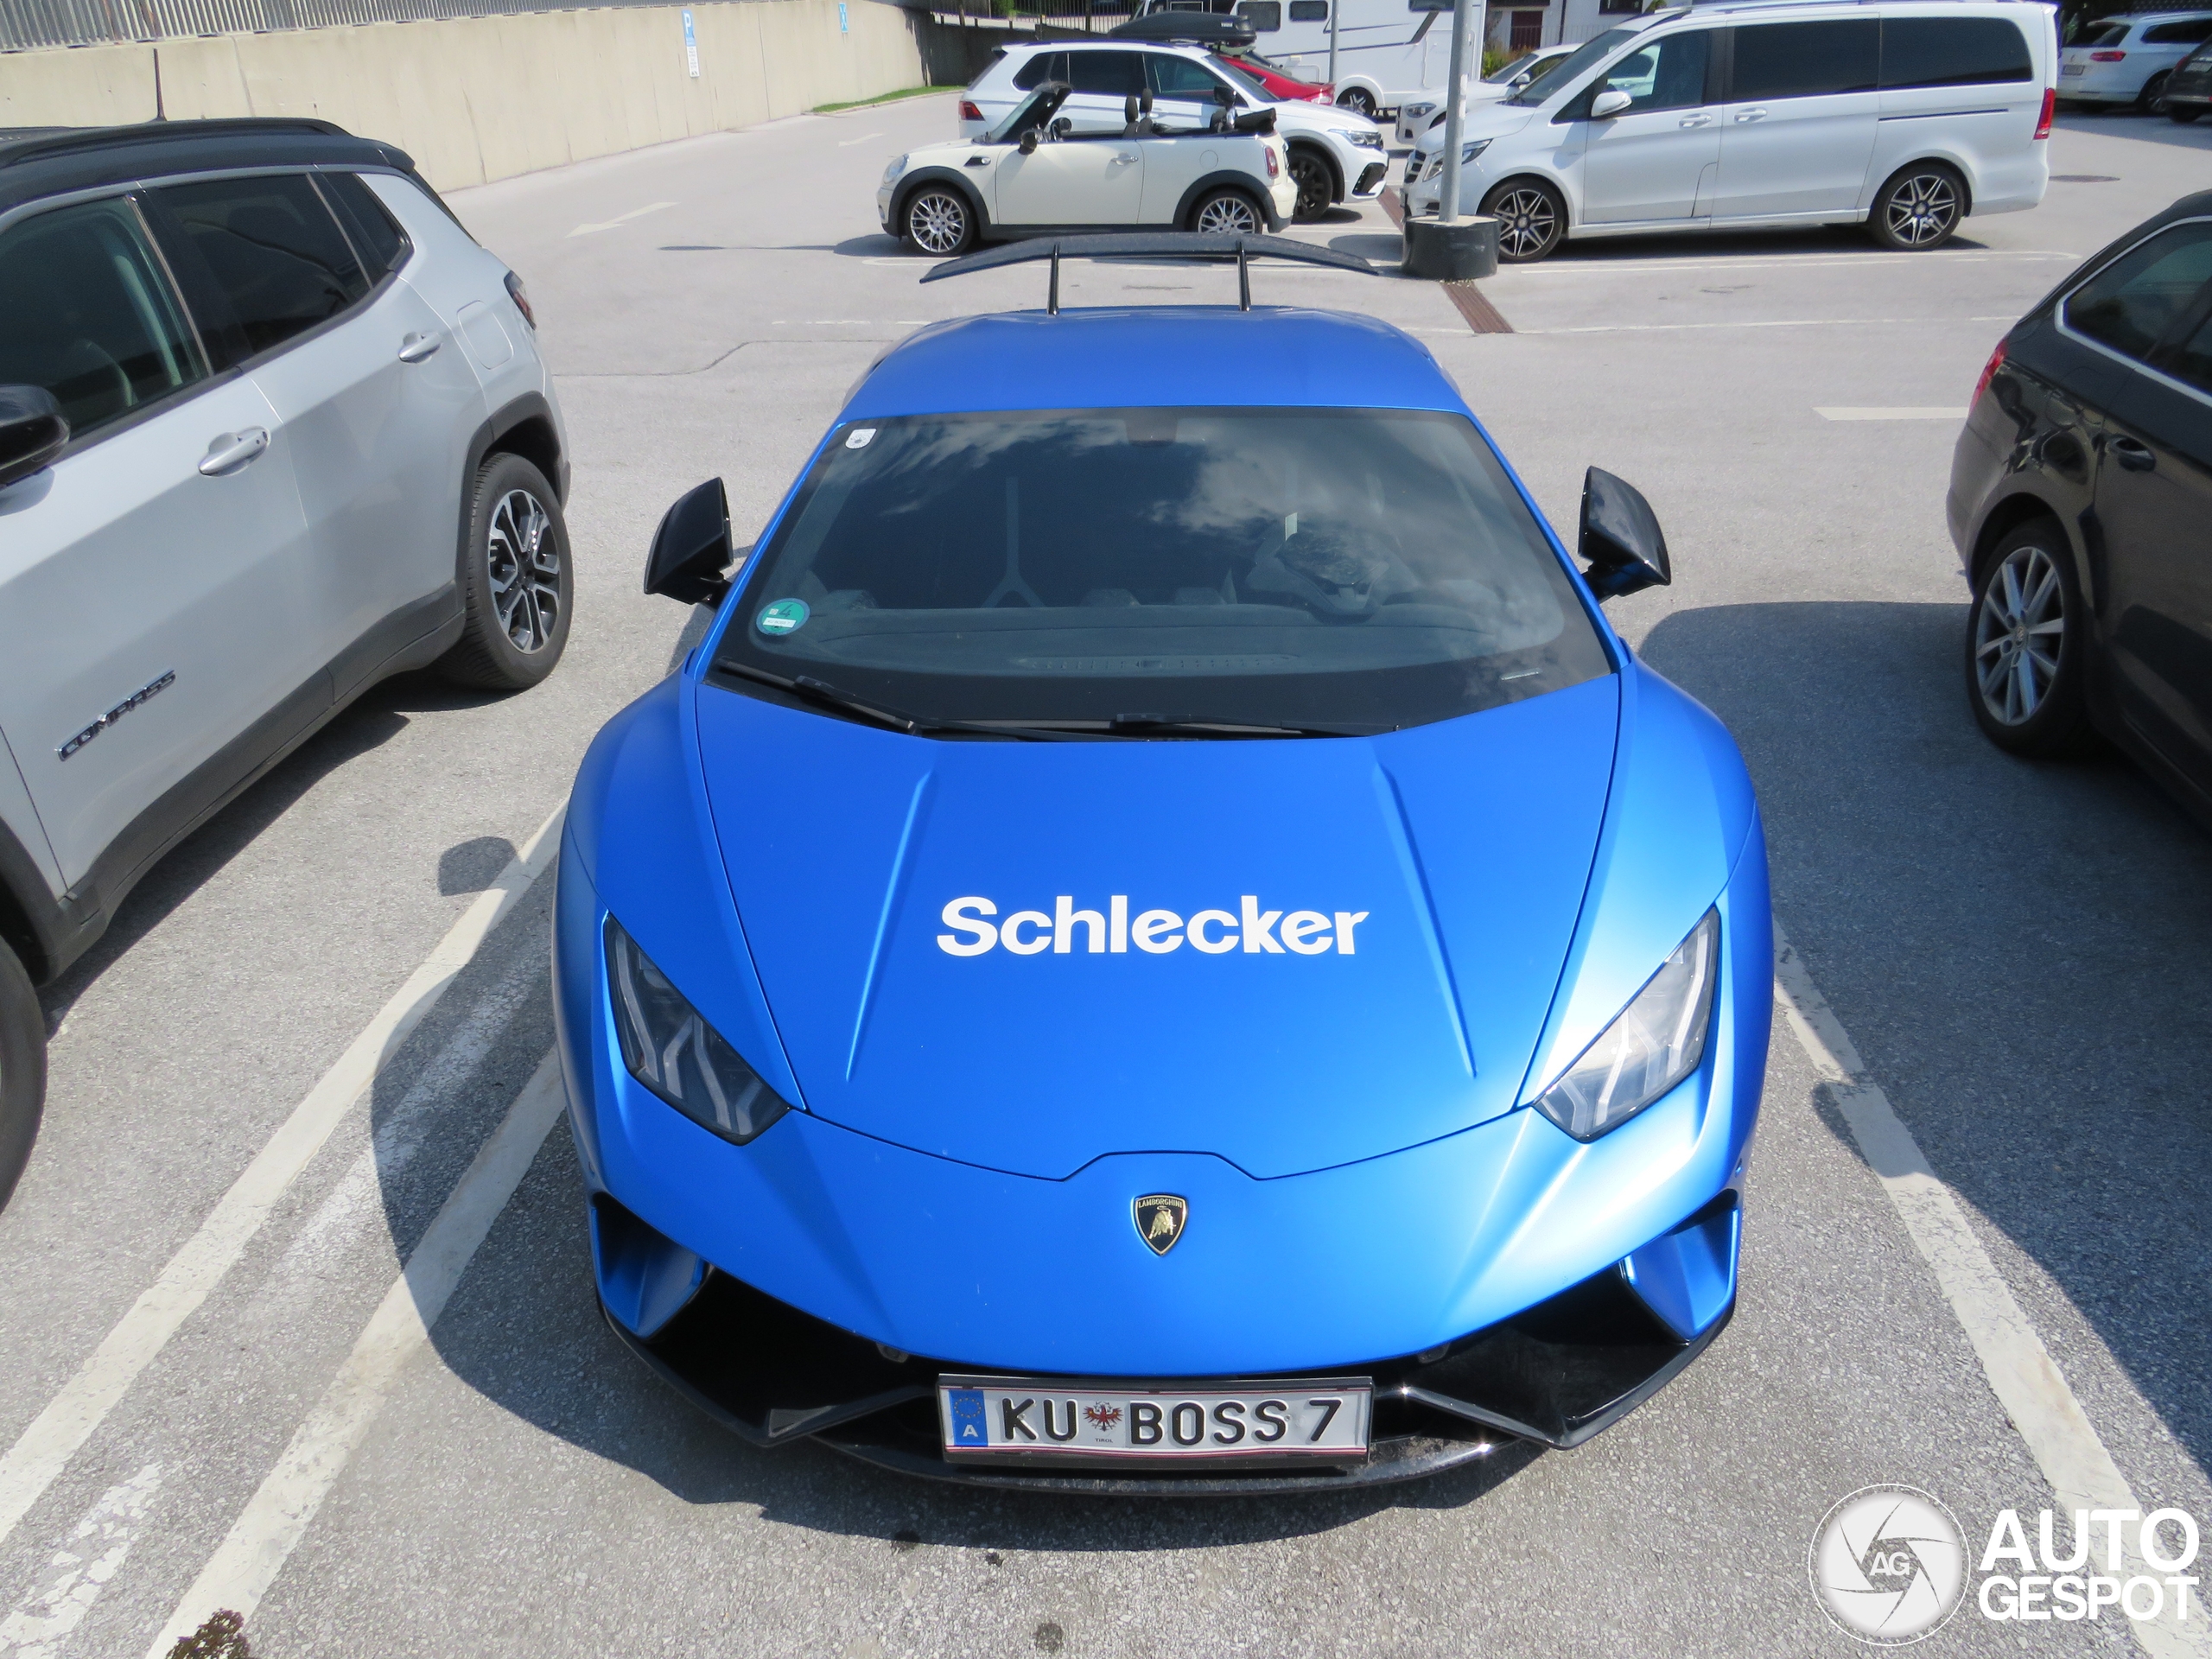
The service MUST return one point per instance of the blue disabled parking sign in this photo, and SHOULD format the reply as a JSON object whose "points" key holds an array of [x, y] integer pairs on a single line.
{"points": [[843, 28]]}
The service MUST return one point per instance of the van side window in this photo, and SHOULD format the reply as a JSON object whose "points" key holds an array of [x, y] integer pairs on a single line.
{"points": [[1669, 74], [1805, 60], [274, 254], [381, 245], [91, 316], [1309, 11], [2133, 301], [1264, 15], [1953, 52]]}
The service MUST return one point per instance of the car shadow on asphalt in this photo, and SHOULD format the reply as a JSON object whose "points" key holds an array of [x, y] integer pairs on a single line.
{"points": [[2016, 948]]}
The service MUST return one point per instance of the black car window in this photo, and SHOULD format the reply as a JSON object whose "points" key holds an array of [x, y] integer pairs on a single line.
{"points": [[2183, 34], [1953, 52], [1110, 74], [1264, 15], [2132, 302], [2192, 359], [274, 254], [1045, 65], [90, 315], [376, 237], [1805, 60], [1266, 566], [2109, 35], [1667, 74], [1309, 11]]}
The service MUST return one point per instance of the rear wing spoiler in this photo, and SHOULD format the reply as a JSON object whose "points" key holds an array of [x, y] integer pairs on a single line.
{"points": [[1203, 247]]}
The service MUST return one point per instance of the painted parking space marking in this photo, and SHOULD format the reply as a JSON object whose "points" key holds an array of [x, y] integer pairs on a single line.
{"points": [[47, 1614], [621, 218], [277, 1517], [2027, 1382], [1896, 413], [69, 1419], [846, 143], [1776, 323]]}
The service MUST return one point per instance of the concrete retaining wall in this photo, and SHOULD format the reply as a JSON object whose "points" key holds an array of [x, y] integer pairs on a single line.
{"points": [[479, 98]]}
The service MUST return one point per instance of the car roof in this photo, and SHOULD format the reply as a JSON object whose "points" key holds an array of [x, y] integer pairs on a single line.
{"points": [[1106, 43], [43, 161], [1186, 356]]}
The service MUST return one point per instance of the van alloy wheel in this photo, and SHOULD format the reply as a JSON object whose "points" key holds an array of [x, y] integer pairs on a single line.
{"points": [[1922, 210], [1528, 222], [1358, 100]]}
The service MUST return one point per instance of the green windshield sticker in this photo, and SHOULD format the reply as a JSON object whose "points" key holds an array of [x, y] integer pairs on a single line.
{"points": [[784, 616]]}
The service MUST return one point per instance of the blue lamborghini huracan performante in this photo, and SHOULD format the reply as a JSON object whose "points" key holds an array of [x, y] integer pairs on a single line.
{"points": [[1162, 944]]}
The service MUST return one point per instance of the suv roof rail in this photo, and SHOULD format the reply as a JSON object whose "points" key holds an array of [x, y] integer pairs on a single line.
{"points": [[1207, 247], [60, 140]]}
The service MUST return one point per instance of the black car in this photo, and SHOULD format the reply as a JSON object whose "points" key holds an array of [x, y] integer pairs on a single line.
{"points": [[2189, 89], [2081, 503]]}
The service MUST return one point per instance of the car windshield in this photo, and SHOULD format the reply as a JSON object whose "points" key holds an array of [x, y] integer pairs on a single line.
{"points": [[1588, 54], [1028, 113], [1351, 569]]}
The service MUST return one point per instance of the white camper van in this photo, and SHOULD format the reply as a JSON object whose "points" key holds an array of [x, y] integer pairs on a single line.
{"points": [[1389, 51]]}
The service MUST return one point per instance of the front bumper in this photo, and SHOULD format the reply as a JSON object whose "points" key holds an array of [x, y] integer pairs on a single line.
{"points": [[1369, 180], [1554, 1375]]}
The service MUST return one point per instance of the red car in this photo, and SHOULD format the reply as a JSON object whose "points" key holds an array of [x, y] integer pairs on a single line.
{"points": [[1278, 83]]}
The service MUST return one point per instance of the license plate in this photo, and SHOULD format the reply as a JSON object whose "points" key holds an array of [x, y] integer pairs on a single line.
{"points": [[2065, 69], [992, 1419]]}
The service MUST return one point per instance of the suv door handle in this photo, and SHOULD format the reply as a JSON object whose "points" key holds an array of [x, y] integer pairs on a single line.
{"points": [[416, 348], [1751, 115], [1700, 120], [232, 450], [2135, 457]]}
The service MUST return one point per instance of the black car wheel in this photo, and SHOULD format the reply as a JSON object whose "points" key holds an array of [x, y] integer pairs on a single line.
{"points": [[938, 222], [1531, 220], [2026, 641], [1358, 100], [517, 580], [2152, 98], [1317, 187], [23, 1069], [1230, 212], [1919, 208]]}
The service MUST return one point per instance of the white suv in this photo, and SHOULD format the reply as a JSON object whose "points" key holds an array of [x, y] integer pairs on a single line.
{"points": [[1335, 155], [272, 427], [1905, 116], [2128, 59]]}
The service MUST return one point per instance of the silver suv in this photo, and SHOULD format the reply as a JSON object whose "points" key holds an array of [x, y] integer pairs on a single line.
{"points": [[272, 427]]}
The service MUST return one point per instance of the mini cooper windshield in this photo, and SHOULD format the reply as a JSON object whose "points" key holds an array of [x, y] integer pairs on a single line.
{"points": [[1284, 570]]}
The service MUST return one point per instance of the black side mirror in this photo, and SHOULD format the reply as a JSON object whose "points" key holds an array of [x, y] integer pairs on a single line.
{"points": [[1620, 540], [1063, 127], [1029, 141], [32, 431], [691, 548], [1256, 121]]}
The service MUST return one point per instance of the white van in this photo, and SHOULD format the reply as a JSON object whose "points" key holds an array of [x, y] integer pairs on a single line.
{"points": [[1905, 116]]}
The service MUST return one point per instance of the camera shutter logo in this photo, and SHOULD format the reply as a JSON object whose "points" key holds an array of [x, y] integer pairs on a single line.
{"points": [[1888, 1565]]}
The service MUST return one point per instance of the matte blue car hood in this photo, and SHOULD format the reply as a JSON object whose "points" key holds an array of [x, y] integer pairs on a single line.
{"points": [[1467, 845]]}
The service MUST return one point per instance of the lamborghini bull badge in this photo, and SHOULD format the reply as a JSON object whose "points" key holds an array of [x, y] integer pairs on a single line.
{"points": [[1159, 1218]]}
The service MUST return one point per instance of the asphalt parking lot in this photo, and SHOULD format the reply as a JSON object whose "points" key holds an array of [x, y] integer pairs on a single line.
{"points": [[2015, 950]]}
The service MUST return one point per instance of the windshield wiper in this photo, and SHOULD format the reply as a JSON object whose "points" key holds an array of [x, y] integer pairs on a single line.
{"points": [[821, 692], [1141, 725]]}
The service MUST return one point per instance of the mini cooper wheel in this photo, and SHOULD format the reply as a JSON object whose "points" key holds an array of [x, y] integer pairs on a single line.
{"points": [[22, 1069], [1531, 220], [939, 222], [1316, 189], [517, 580], [1358, 100], [2024, 645], [1919, 208], [1228, 213]]}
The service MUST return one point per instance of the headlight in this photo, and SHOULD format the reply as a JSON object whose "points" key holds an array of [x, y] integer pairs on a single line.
{"points": [[676, 1054], [1652, 1045], [1468, 152], [897, 165], [1366, 140], [1430, 168], [1414, 112]]}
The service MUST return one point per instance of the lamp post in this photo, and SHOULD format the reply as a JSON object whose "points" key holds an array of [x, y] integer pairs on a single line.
{"points": [[1333, 4], [1454, 247], [1464, 13]]}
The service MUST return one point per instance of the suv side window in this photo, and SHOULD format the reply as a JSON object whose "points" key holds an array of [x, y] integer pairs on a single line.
{"points": [[2131, 303], [91, 314], [381, 245], [273, 253], [1805, 60], [1110, 74], [1045, 65], [1953, 52], [1174, 76]]}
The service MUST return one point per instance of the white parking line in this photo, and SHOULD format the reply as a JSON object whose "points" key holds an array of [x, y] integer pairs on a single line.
{"points": [[1899, 414], [47, 1614], [45, 1447], [621, 218], [278, 1514], [846, 143], [1779, 322], [2020, 1371], [1779, 261]]}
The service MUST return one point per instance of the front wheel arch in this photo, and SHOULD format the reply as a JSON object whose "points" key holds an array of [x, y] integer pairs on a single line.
{"points": [[944, 180]]}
